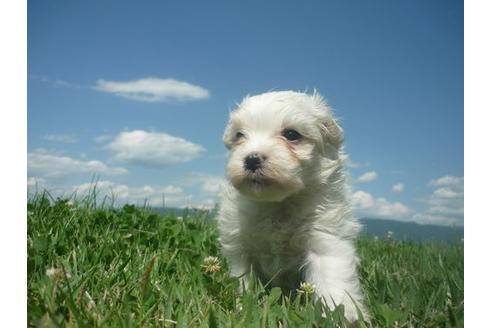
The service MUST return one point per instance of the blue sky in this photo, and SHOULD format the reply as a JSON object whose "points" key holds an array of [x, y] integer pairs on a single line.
{"points": [[139, 93]]}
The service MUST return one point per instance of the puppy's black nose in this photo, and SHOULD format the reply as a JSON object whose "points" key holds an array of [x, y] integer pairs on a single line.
{"points": [[252, 162]]}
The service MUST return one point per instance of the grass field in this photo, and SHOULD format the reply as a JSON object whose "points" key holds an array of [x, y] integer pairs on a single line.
{"points": [[91, 265]]}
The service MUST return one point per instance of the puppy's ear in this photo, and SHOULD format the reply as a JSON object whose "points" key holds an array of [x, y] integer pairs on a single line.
{"points": [[333, 133]]}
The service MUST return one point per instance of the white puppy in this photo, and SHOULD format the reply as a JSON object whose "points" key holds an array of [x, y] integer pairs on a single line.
{"points": [[285, 213]]}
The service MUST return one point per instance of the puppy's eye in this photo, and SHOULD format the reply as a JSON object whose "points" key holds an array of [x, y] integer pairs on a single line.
{"points": [[239, 135], [291, 135]]}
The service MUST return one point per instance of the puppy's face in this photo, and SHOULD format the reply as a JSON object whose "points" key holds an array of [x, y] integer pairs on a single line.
{"points": [[278, 142]]}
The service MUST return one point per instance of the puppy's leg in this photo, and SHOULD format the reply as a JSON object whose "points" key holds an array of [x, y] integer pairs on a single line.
{"points": [[240, 267], [334, 275]]}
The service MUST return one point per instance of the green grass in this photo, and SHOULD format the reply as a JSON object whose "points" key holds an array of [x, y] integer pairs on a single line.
{"points": [[128, 267]]}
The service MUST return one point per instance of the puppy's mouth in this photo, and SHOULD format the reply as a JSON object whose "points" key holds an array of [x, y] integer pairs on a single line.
{"points": [[262, 185], [256, 180], [251, 183]]}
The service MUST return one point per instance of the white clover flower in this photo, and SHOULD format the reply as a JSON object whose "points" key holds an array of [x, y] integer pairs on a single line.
{"points": [[56, 274], [306, 288], [211, 264]]}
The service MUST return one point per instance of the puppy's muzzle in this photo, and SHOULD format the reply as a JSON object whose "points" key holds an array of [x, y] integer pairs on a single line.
{"points": [[253, 162]]}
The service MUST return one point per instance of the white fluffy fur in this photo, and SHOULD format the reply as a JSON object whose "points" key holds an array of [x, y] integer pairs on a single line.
{"points": [[291, 221]]}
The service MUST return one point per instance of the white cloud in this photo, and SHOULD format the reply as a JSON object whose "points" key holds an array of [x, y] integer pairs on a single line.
{"points": [[212, 185], [103, 188], [209, 184], [367, 205], [362, 199], [120, 194], [62, 138], [153, 89], [398, 188], [367, 177], [427, 218], [446, 210], [351, 164], [447, 180], [204, 187], [45, 164], [354, 165], [57, 83], [447, 193], [171, 195], [445, 204], [37, 185], [153, 149], [102, 138], [150, 195], [33, 182]]}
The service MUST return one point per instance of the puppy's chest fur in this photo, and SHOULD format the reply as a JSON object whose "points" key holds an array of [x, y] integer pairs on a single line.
{"points": [[275, 243]]}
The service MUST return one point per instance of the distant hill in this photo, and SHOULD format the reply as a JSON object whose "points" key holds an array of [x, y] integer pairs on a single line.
{"points": [[411, 231]]}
